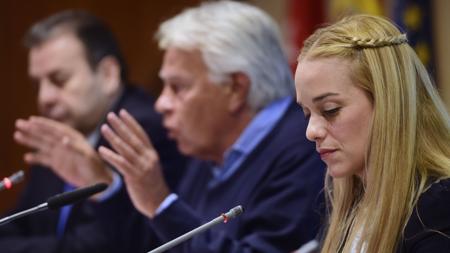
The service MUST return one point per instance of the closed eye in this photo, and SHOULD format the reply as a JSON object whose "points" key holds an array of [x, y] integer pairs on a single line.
{"points": [[178, 88], [331, 112]]}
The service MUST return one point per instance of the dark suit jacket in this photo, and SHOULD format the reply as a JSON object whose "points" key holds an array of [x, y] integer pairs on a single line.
{"points": [[88, 229], [278, 185], [428, 229]]}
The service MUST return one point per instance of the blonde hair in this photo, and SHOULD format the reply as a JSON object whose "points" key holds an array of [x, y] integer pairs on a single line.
{"points": [[410, 134]]}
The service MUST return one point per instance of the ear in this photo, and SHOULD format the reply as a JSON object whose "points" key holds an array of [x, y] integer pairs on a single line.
{"points": [[108, 70], [239, 88]]}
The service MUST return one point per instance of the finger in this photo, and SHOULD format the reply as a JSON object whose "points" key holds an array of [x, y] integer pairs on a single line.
{"points": [[26, 140], [51, 128], [118, 144], [61, 133], [42, 128], [32, 143], [50, 124], [31, 135], [149, 160], [79, 146], [125, 133], [134, 125], [37, 158], [118, 161], [71, 145]]}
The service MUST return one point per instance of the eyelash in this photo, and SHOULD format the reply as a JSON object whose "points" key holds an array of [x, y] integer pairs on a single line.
{"points": [[326, 113], [176, 88], [331, 112]]}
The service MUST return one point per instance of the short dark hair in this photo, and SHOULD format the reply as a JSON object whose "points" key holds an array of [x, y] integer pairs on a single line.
{"points": [[94, 34]]}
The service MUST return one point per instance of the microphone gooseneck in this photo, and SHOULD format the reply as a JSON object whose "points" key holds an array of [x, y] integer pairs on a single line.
{"points": [[58, 201], [223, 218]]}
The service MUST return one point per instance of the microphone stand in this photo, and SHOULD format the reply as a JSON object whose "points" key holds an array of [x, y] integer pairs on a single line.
{"points": [[58, 201], [222, 218], [41, 207]]}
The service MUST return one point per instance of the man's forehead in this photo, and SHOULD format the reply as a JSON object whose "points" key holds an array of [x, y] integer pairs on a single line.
{"points": [[175, 55], [175, 74], [179, 63], [62, 40], [58, 46]]}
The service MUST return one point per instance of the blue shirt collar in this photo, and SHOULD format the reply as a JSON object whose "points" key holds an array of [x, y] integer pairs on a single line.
{"points": [[260, 126]]}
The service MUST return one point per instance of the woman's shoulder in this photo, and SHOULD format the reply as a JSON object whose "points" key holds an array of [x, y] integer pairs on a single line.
{"points": [[431, 216], [433, 205], [437, 190]]}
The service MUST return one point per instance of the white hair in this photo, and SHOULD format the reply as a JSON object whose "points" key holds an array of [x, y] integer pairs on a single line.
{"points": [[234, 37]]}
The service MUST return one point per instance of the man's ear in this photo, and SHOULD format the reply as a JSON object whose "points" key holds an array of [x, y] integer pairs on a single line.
{"points": [[239, 89], [108, 70]]}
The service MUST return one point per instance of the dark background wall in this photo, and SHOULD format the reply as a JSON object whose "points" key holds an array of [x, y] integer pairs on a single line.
{"points": [[133, 22]]}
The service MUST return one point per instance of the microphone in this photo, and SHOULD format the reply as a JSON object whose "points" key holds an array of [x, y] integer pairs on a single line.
{"points": [[8, 182], [74, 196], [59, 200], [222, 218]]}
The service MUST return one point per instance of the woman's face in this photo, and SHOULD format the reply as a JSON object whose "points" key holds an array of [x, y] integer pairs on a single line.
{"points": [[339, 113]]}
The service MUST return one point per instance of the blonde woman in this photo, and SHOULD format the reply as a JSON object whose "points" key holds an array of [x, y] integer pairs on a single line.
{"points": [[381, 128]]}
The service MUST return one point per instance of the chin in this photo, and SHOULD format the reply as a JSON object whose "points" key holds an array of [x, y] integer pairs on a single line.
{"points": [[184, 149], [338, 172]]}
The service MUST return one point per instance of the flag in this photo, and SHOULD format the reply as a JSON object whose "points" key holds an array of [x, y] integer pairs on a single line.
{"points": [[304, 17], [339, 8], [414, 18]]}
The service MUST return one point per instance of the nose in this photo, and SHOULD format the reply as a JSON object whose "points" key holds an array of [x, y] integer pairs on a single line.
{"points": [[164, 103], [316, 129], [47, 94]]}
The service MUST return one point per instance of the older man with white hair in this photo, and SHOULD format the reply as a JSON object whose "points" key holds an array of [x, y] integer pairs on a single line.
{"points": [[227, 101]]}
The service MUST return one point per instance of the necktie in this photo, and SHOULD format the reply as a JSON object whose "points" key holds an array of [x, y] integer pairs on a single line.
{"points": [[64, 214]]}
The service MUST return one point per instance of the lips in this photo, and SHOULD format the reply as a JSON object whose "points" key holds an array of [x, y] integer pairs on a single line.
{"points": [[56, 116], [171, 132], [326, 152]]}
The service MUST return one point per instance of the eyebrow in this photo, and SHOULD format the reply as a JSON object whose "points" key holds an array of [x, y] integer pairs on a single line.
{"points": [[323, 96], [319, 98]]}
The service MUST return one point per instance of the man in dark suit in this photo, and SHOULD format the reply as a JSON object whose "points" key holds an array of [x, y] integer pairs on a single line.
{"points": [[227, 101], [81, 76]]}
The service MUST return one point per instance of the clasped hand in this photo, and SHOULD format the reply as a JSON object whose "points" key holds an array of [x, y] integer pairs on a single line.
{"points": [[62, 149]]}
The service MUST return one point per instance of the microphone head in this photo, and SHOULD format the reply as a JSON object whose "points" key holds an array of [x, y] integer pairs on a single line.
{"points": [[235, 211], [9, 182], [17, 177], [77, 195]]}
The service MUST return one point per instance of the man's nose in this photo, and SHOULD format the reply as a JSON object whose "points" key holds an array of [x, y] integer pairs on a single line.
{"points": [[48, 93], [164, 103]]}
